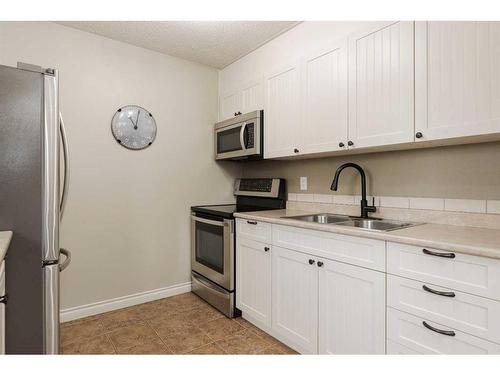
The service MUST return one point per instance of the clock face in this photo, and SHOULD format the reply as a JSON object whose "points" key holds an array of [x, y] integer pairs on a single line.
{"points": [[133, 127]]}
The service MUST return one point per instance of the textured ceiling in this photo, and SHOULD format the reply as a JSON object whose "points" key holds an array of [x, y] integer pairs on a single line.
{"points": [[212, 43]]}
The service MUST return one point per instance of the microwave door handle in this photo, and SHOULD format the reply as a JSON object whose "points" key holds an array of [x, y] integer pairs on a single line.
{"points": [[242, 136]]}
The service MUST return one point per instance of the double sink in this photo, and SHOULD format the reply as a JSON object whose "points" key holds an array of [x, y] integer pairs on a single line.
{"points": [[381, 225]]}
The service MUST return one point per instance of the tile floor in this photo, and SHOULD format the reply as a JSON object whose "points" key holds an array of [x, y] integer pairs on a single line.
{"points": [[183, 324]]}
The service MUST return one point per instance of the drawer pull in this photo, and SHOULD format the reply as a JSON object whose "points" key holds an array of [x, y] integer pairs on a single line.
{"points": [[439, 293], [252, 222], [442, 255], [266, 249], [437, 330]]}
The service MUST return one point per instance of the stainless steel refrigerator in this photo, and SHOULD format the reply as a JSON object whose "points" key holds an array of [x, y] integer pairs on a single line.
{"points": [[33, 191]]}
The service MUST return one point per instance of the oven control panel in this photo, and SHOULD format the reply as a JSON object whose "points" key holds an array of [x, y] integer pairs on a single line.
{"points": [[258, 187]]}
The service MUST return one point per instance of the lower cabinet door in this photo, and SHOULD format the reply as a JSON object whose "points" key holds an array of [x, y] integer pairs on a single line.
{"points": [[253, 280], [427, 337], [295, 299], [351, 309]]}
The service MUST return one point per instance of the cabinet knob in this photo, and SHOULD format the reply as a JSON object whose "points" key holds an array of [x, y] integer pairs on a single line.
{"points": [[350, 143], [266, 249], [312, 261], [320, 264], [296, 150], [419, 135], [341, 144], [236, 113]]}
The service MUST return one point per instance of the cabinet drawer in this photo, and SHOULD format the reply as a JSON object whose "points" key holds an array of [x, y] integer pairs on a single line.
{"points": [[397, 348], [409, 331], [467, 273], [465, 312], [359, 251], [254, 230]]}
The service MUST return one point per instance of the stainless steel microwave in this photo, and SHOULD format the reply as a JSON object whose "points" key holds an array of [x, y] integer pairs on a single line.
{"points": [[240, 137]]}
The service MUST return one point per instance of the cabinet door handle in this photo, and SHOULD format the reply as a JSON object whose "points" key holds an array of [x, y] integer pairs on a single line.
{"points": [[437, 330], [341, 144], [252, 222], [296, 150], [439, 293], [418, 135], [3, 299], [320, 264], [442, 255], [350, 143], [312, 261], [266, 249]]}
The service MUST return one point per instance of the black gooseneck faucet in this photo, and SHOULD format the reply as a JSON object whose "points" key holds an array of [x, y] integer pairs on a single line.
{"points": [[365, 208]]}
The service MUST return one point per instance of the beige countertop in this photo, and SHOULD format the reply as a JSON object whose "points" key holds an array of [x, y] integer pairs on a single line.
{"points": [[466, 240], [5, 238]]}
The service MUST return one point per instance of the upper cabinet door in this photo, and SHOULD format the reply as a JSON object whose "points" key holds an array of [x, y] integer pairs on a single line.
{"points": [[457, 73], [324, 98], [282, 111], [252, 96], [230, 103], [381, 76]]}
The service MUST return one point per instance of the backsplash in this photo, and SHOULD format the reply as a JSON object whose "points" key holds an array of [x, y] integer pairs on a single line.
{"points": [[456, 172], [417, 203]]}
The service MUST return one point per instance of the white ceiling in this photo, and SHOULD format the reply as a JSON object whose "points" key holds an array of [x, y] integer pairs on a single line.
{"points": [[212, 43]]}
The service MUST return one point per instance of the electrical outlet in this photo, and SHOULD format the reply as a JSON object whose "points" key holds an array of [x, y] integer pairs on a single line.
{"points": [[303, 183]]}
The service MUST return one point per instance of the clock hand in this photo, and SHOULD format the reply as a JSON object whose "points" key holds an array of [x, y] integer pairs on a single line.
{"points": [[137, 121], [132, 121]]}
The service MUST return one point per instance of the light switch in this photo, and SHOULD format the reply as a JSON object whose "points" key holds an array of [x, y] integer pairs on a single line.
{"points": [[303, 183]]}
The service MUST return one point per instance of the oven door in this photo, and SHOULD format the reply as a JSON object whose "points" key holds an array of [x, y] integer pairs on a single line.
{"points": [[212, 250], [238, 140]]}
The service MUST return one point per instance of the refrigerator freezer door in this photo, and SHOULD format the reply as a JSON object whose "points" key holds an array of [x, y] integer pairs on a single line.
{"points": [[50, 170], [51, 296]]}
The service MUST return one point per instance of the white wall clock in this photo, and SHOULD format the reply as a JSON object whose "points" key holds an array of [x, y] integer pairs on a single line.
{"points": [[133, 127]]}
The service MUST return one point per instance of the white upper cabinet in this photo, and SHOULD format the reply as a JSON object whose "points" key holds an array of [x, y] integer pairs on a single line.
{"points": [[457, 79], [324, 99], [252, 96], [282, 111], [247, 97], [381, 76], [230, 103]]}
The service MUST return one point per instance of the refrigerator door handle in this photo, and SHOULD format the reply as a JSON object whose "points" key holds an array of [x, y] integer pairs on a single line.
{"points": [[67, 261], [65, 148]]}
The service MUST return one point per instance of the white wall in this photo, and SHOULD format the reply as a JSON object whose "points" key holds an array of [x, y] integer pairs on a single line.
{"points": [[127, 218]]}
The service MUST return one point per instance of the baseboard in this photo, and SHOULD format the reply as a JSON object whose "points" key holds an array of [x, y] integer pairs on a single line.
{"points": [[83, 311]]}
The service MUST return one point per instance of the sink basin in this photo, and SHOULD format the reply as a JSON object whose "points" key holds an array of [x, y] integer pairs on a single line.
{"points": [[376, 224], [320, 218], [381, 225]]}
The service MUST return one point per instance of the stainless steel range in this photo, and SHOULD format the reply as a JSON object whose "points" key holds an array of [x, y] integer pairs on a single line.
{"points": [[213, 239]]}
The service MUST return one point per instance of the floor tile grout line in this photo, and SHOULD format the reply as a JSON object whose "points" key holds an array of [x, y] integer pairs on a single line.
{"points": [[158, 335]]}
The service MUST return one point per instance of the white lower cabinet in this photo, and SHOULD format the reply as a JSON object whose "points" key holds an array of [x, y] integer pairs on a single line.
{"points": [[312, 303], [308, 289], [427, 337], [295, 299], [253, 281], [351, 309]]}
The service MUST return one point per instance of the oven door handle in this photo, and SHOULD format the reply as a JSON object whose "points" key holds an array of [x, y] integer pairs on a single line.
{"points": [[207, 221], [213, 287], [242, 136]]}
